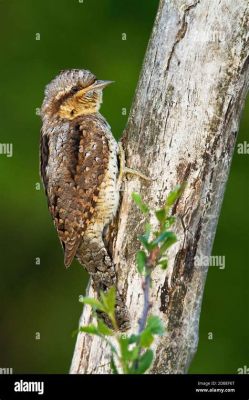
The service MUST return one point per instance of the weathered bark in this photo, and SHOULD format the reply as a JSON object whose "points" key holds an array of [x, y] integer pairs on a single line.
{"points": [[182, 127]]}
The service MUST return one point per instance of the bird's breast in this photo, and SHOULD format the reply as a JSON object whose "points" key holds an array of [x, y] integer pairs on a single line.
{"points": [[108, 199]]}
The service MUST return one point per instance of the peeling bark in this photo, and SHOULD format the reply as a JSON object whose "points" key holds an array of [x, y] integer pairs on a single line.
{"points": [[182, 127]]}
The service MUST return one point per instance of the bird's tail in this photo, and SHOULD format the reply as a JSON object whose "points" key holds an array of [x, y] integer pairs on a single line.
{"points": [[70, 249], [93, 254]]}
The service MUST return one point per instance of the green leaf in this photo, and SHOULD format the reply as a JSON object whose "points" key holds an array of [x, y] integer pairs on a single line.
{"points": [[144, 242], [109, 299], [161, 238], [145, 362], [161, 215], [124, 348], [144, 239], [94, 303], [103, 328], [113, 366], [91, 329], [127, 354], [141, 261], [146, 338], [138, 200], [155, 325], [133, 339], [168, 243], [174, 195], [163, 263]]}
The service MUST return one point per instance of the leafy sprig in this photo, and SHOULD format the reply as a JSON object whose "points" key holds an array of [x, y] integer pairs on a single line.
{"points": [[132, 354]]}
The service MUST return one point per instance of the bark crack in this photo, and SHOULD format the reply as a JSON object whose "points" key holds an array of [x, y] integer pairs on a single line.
{"points": [[181, 32]]}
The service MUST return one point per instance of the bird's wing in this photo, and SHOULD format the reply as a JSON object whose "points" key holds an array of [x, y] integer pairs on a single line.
{"points": [[73, 181], [44, 154]]}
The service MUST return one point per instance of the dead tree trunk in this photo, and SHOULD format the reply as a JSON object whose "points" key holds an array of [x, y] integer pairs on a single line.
{"points": [[182, 127]]}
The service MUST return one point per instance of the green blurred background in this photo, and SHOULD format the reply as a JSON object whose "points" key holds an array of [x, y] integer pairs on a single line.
{"points": [[44, 298]]}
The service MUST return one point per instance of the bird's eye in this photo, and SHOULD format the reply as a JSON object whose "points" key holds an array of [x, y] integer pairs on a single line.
{"points": [[74, 89], [90, 94]]}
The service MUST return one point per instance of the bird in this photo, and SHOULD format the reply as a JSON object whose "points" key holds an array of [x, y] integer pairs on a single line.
{"points": [[82, 166]]}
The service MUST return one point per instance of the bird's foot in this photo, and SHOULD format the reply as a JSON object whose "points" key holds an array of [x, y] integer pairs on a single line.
{"points": [[125, 170]]}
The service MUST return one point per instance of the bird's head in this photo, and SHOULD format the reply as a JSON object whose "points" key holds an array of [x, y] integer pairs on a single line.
{"points": [[73, 93]]}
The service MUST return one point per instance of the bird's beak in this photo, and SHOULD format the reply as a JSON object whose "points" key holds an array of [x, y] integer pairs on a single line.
{"points": [[100, 84]]}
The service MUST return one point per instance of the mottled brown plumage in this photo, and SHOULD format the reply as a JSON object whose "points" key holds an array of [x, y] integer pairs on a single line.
{"points": [[79, 168]]}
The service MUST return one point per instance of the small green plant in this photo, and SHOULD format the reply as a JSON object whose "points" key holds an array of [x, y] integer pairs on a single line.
{"points": [[132, 354]]}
